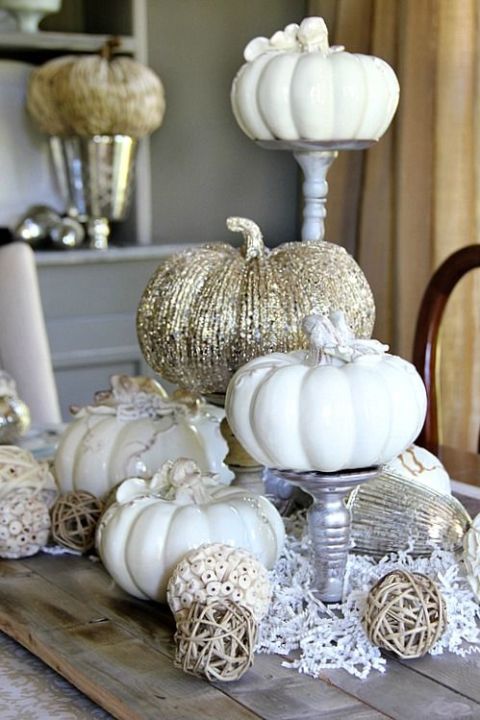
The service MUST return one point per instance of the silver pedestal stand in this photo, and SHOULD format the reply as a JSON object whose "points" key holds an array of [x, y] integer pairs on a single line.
{"points": [[315, 159], [329, 522]]}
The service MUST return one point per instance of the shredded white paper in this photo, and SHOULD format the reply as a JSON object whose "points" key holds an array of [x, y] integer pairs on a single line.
{"points": [[328, 637]]}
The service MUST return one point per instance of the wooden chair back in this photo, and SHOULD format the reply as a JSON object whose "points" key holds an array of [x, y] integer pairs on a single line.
{"points": [[430, 315]]}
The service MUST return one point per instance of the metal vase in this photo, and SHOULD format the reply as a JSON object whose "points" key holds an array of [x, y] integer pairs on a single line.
{"points": [[95, 175]]}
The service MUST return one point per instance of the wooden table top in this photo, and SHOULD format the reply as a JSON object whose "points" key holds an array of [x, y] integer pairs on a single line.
{"points": [[119, 650]]}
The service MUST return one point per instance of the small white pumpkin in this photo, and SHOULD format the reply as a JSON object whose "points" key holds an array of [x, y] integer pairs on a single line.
{"points": [[295, 87], [417, 464], [131, 431], [153, 524], [344, 404]]}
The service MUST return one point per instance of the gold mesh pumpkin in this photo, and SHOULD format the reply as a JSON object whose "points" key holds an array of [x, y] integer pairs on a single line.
{"points": [[97, 94], [208, 310]]}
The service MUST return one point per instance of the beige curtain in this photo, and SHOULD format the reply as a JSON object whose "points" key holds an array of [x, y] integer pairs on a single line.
{"points": [[403, 206]]}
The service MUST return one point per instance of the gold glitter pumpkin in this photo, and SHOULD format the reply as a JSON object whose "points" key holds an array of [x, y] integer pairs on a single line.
{"points": [[208, 310]]}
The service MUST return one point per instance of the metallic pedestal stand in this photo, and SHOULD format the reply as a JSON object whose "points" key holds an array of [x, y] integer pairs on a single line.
{"points": [[329, 522], [315, 159]]}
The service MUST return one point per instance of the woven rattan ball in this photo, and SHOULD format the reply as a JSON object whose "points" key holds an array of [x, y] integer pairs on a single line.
{"points": [[216, 641], [405, 614], [74, 520]]}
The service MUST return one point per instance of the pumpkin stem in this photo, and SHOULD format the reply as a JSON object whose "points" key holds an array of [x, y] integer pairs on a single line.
{"points": [[253, 240], [106, 51], [317, 330], [331, 337], [313, 35]]}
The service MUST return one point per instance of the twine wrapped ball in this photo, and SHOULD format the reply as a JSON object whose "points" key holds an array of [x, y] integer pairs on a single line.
{"points": [[216, 573], [216, 641], [74, 520], [19, 470], [96, 95], [405, 614], [24, 523]]}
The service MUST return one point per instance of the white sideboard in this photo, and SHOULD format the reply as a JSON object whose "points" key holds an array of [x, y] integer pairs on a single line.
{"points": [[90, 300]]}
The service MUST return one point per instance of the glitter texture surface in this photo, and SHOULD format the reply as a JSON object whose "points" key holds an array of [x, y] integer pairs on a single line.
{"points": [[209, 310]]}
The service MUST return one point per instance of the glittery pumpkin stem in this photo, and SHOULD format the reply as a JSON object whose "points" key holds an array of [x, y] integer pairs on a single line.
{"points": [[253, 238]]}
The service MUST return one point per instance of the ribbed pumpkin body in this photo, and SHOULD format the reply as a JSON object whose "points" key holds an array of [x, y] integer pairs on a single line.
{"points": [[93, 95], [295, 87], [98, 451], [207, 311], [141, 541], [288, 413], [307, 96]]}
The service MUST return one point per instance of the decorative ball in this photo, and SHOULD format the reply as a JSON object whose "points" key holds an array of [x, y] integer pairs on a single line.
{"points": [[214, 573], [24, 523], [216, 641], [96, 94], [14, 414], [74, 520], [20, 470], [207, 311], [405, 614], [421, 466]]}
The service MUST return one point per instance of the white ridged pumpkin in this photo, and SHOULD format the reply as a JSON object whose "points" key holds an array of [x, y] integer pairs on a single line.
{"points": [[143, 535], [132, 432], [343, 405], [295, 87]]}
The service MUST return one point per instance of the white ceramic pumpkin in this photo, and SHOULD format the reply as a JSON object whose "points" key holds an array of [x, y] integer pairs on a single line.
{"points": [[417, 464], [344, 404], [153, 524], [132, 431], [295, 87]]}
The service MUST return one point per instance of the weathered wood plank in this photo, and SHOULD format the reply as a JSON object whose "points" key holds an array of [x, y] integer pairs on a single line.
{"points": [[123, 674], [459, 674], [404, 694], [277, 693], [120, 641]]}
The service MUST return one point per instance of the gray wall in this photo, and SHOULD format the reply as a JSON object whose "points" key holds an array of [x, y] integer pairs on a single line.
{"points": [[203, 167]]}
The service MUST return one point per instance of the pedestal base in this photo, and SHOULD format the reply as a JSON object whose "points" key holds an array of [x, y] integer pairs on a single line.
{"points": [[329, 522], [315, 159]]}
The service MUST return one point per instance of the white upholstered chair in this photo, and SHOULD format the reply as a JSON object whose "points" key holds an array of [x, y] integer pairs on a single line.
{"points": [[24, 348]]}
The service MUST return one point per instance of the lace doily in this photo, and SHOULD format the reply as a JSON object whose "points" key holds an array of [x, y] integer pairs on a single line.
{"points": [[327, 637]]}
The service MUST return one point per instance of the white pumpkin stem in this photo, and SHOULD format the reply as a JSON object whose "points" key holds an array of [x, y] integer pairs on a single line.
{"points": [[313, 35], [318, 330], [253, 239], [331, 337], [181, 481]]}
